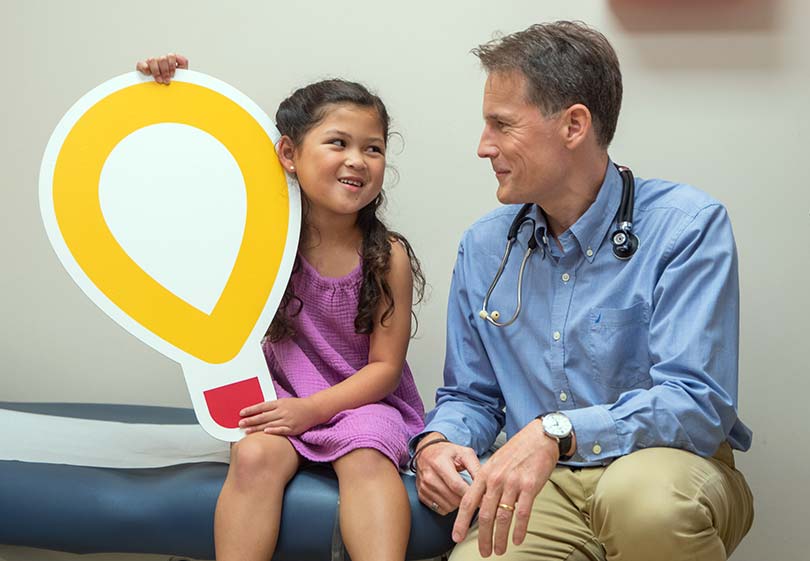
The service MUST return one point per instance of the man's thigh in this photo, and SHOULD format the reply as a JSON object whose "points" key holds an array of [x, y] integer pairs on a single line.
{"points": [[664, 503], [559, 527]]}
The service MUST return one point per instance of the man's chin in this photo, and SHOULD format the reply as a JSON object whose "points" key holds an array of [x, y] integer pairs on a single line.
{"points": [[506, 196]]}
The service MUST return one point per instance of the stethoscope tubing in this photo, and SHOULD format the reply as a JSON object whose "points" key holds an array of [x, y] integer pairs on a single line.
{"points": [[624, 241], [486, 315]]}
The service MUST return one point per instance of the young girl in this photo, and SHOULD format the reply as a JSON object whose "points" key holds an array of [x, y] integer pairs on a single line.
{"points": [[336, 347]]}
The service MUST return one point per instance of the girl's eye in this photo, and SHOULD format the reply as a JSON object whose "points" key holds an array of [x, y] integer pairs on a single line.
{"points": [[338, 142], [377, 149]]}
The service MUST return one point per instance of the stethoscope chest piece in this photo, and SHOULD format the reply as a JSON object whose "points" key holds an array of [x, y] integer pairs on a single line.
{"points": [[624, 241]]}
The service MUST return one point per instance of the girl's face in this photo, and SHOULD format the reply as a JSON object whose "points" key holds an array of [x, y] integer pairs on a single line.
{"points": [[340, 163]]}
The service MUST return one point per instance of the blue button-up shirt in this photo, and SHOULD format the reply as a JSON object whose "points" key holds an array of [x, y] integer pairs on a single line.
{"points": [[637, 353]]}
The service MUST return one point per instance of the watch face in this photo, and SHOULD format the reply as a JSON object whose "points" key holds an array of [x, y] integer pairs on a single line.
{"points": [[557, 424]]}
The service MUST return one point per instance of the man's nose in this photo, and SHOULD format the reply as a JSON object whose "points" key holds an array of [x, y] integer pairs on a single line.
{"points": [[486, 149]]}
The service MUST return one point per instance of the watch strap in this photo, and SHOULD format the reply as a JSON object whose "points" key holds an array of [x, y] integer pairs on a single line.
{"points": [[565, 445]]}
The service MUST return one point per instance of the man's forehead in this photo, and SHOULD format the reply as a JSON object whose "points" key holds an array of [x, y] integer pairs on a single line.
{"points": [[504, 94], [506, 82]]}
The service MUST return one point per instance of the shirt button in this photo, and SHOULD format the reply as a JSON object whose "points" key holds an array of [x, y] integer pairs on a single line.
{"points": [[589, 253], [597, 449], [566, 277], [563, 396], [556, 335]]}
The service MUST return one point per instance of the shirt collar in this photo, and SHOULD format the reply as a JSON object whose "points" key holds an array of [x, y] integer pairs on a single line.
{"points": [[592, 227]]}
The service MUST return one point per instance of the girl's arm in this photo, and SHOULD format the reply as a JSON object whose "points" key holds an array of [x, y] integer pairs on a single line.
{"points": [[388, 346]]}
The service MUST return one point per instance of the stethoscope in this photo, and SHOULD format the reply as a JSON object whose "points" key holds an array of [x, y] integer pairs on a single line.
{"points": [[624, 241]]}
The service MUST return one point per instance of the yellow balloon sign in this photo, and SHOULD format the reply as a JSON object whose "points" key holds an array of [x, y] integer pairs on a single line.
{"points": [[131, 270]]}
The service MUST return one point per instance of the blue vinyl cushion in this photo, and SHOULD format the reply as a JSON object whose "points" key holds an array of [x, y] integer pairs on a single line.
{"points": [[169, 510]]}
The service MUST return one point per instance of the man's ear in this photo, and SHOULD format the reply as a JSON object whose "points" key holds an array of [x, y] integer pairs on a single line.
{"points": [[577, 125], [285, 148]]}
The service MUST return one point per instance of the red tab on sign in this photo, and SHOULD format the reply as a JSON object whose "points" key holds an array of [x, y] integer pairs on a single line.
{"points": [[225, 402]]}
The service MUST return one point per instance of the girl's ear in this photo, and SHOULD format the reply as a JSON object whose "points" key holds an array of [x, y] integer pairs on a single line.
{"points": [[286, 153]]}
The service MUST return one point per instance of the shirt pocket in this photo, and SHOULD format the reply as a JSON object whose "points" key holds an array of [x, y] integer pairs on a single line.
{"points": [[618, 345]]}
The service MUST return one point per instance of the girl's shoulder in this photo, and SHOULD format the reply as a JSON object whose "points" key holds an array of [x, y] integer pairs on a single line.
{"points": [[400, 261]]}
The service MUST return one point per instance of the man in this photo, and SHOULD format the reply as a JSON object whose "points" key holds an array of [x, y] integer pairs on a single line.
{"points": [[617, 381]]}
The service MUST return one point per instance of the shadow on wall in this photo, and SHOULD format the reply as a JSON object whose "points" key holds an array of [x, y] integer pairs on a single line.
{"points": [[704, 33], [697, 15]]}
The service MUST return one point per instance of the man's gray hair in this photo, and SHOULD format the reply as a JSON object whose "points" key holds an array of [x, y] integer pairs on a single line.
{"points": [[564, 62]]}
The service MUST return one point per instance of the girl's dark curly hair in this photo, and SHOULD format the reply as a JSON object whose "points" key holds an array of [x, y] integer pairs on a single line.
{"points": [[296, 115]]}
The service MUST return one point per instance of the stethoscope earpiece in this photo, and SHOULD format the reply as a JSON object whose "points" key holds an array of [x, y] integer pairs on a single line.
{"points": [[624, 241]]}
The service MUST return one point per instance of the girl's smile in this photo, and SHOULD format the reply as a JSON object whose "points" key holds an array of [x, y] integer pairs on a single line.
{"points": [[353, 184]]}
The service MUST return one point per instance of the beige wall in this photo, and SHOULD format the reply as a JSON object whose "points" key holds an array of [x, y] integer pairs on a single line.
{"points": [[716, 95]]}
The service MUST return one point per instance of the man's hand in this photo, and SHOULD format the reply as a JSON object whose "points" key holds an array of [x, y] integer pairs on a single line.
{"points": [[438, 481], [162, 68], [513, 477], [288, 416]]}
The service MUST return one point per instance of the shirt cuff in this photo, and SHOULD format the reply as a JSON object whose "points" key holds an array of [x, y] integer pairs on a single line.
{"points": [[597, 439]]}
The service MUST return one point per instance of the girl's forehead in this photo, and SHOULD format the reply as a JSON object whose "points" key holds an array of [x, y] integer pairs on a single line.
{"points": [[347, 114]]}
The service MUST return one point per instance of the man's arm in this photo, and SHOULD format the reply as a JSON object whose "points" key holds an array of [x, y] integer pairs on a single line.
{"points": [[469, 407], [694, 335]]}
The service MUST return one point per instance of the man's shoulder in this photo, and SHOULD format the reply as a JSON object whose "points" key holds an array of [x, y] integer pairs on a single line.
{"points": [[493, 224], [660, 194]]}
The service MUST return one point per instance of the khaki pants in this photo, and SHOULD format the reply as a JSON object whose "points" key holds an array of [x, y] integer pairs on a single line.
{"points": [[655, 504]]}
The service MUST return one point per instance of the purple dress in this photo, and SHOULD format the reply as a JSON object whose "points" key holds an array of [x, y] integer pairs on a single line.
{"points": [[324, 352]]}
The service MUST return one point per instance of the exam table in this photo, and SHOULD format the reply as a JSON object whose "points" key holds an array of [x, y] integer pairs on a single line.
{"points": [[94, 478]]}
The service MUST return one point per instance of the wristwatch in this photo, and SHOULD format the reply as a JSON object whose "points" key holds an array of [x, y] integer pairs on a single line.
{"points": [[558, 426]]}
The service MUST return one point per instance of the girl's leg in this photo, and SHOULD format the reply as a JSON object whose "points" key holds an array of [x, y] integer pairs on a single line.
{"points": [[249, 507], [375, 515]]}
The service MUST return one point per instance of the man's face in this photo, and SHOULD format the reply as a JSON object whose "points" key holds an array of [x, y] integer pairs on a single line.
{"points": [[526, 148]]}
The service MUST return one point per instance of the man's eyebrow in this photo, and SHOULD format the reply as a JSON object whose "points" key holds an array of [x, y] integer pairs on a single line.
{"points": [[495, 116]]}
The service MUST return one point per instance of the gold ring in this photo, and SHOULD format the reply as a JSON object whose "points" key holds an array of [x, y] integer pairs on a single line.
{"points": [[505, 506]]}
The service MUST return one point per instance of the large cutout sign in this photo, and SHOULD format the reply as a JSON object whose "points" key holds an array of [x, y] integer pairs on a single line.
{"points": [[169, 208]]}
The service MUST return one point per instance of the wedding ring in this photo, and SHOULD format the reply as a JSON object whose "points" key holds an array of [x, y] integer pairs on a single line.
{"points": [[505, 506], [434, 506]]}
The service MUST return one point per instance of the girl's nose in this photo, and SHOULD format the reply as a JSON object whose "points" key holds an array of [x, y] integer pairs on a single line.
{"points": [[355, 161]]}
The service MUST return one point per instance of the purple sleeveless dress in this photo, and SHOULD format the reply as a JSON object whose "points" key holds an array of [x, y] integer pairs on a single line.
{"points": [[324, 352]]}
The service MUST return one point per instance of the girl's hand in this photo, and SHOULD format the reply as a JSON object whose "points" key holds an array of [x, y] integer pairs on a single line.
{"points": [[288, 416], [162, 68]]}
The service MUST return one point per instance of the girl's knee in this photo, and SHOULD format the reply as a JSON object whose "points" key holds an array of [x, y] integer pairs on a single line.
{"points": [[264, 459], [364, 463]]}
